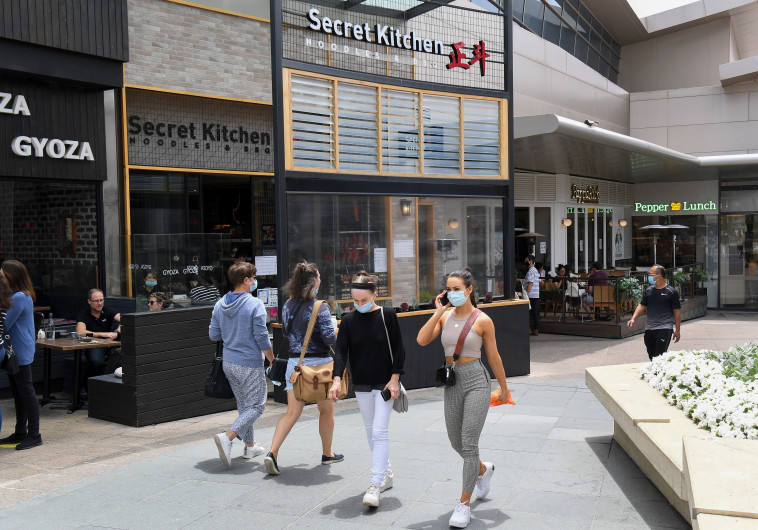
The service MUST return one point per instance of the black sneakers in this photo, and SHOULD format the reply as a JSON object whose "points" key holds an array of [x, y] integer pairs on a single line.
{"points": [[332, 459], [271, 466], [29, 442]]}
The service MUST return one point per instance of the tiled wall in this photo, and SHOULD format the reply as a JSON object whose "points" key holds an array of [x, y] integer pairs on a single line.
{"points": [[179, 47]]}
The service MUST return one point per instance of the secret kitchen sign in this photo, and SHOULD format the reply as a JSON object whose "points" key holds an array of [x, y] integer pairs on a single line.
{"points": [[51, 131], [169, 130], [442, 44]]}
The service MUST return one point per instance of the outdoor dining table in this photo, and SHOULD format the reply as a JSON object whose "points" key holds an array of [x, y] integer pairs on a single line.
{"points": [[76, 346]]}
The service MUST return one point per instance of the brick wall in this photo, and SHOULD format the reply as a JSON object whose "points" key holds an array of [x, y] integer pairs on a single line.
{"points": [[195, 50], [34, 212]]}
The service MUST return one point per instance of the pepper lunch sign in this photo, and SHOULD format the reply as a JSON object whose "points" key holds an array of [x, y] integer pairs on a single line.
{"points": [[41, 147]]}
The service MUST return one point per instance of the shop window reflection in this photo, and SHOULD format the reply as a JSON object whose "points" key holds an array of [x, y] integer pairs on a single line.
{"points": [[411, 254]]}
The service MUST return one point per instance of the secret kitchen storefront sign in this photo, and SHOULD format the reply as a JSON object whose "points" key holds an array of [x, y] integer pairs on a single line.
{"points": [[169, 130], [50, 131], [440, 44]]}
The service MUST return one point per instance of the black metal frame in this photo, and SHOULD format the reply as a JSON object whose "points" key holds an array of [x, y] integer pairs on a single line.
{"points": [[301, 182]]}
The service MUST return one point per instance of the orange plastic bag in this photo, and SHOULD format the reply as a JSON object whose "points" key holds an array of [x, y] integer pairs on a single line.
{"points": [[495, 399]]}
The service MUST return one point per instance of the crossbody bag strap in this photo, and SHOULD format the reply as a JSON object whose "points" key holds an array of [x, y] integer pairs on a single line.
{"points": [[389, 343], [309, 331], [466, 328]]}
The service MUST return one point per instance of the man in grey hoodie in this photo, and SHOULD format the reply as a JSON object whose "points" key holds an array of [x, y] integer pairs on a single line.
{"points": [[239, 319]]}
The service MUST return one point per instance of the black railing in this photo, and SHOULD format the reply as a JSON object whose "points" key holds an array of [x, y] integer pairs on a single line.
{"points": [[611, 298]]}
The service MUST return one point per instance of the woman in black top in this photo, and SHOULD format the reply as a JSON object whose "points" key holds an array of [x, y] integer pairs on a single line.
{"points": [[302, 290], [363, 340]]}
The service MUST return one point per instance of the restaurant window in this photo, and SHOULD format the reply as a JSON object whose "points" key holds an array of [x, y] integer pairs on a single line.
{"points": [[410, 243], [52, 228], [353, 127], [188, 229]]}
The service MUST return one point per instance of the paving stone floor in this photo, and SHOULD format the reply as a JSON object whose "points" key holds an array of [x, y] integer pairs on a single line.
{"points": [[556, 467]]}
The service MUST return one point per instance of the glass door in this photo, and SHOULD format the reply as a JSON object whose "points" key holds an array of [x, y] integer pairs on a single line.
{"points": [[739, 253]]}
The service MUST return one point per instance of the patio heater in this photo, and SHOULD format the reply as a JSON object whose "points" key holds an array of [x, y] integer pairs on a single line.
{"points": [[532, 235], [655, 238]]}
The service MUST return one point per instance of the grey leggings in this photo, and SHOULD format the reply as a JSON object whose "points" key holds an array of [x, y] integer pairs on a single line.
{"points": [[249, 387], [466, 406]]}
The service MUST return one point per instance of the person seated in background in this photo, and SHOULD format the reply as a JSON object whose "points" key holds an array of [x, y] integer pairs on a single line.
{"points": [[596, 277], [160, 301], [99, 322], [151, 286], [561, 280], [200, 291], [541, 270]]}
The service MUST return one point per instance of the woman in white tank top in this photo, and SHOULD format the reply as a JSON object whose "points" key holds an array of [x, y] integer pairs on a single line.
{"points": [[467, 402]]}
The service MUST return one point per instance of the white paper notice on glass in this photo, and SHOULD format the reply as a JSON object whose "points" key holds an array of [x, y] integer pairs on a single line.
{"points": [[402, 248], [265, 265], [380, 260], [262, 295], [543, 247], [273, 297], [581, 245]]}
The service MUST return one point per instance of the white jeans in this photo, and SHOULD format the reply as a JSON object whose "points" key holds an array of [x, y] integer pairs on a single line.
{"points": [[376, 418]]}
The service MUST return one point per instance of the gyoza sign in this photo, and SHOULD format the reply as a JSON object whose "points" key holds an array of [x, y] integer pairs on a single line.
{"points": [[23, 145]]}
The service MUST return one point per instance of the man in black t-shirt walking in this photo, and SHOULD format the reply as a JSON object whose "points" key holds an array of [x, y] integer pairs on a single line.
{"points": [[663, 311]]}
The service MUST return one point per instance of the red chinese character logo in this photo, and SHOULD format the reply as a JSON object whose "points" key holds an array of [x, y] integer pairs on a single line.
{"points": [[480, 54], [456, 56]]}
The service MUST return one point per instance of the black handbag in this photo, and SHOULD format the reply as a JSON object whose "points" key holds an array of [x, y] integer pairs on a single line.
{"points": [[9, 362], [277, 370], [217, 385], [445, 375]]}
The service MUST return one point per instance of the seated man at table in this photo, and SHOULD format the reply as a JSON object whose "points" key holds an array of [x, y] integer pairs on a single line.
{"points": [[97, 321]]}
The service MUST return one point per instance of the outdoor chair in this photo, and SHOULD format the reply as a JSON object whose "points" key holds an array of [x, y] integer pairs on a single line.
{"points": [[605, 299]]}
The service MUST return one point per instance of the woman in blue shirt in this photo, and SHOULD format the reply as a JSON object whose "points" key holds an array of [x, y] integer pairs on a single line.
{"points": [[19, 321], [5, 304]]}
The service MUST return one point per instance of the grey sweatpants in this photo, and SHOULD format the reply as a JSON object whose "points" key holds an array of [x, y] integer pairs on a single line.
{"points": [[249, 387], [466, 406]]}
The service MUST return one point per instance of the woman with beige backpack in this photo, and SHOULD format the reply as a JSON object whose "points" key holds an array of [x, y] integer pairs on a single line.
{"points": [[370, 339], [309, 334]]}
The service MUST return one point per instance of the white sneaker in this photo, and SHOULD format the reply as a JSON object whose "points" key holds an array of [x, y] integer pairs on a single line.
{"points": [[461, 516], [387, 482], [371, 498], [224, 445], [253, 451], [482, 487]]}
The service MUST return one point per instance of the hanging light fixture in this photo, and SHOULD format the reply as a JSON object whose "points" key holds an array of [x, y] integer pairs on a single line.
{"points": [[405, 207], [566, 222], [622, 222]]}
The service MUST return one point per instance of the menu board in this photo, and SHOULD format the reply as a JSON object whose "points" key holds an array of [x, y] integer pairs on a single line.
{"points": [[344, 283]]}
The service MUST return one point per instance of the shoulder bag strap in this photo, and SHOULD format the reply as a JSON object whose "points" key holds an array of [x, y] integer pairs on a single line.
{"points": [[309, 331], [219, 349], [381, 309], [466, 328]]}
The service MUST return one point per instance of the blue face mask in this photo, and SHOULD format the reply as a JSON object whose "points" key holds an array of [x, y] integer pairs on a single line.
{"points": [[651, 280], [254, 286], [365, 308], [151, 283], [457, 298], [315, 291]]}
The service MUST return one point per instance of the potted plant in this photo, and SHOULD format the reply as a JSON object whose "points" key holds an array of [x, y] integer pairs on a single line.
{"points": [[700, 276], [631, 292], [680, 279]]}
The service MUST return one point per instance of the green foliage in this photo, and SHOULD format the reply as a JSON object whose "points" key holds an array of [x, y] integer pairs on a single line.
{"points": [[632, 288], [700, 275], [425, 297], [680, 278], [740, 362]]}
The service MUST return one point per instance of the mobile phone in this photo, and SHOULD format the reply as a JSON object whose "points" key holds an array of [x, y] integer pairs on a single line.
{"points": [[444, 300], [386, 394]]}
